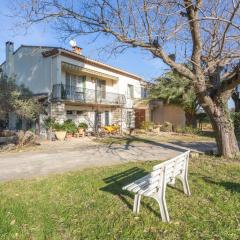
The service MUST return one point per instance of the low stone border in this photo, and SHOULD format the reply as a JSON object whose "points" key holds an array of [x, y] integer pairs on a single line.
{"points": [[5, 140]]}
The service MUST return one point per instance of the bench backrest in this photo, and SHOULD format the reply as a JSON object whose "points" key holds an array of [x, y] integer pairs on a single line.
{"points": [[167, 171]]}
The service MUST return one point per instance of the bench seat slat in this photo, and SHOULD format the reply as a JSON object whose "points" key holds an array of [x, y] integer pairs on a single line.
{"points": [[136, 187], [145, 188], [136, 182]]}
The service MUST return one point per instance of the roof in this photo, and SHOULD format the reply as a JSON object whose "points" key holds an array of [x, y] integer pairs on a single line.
{"points": [[67, 53]]}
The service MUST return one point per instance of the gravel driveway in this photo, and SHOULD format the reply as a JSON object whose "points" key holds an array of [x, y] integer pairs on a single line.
{"points": [[60, 157]]}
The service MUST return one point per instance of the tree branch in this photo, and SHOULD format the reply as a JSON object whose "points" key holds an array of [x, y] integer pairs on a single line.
{"points": [[231, 80]]}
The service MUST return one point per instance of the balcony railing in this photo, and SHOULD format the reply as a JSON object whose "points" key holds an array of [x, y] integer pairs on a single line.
{"points": [[84, 95]]}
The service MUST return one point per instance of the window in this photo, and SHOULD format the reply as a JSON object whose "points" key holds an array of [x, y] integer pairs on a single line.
{"points": [[143, 92], [80, 112], [129, 119], [130, 91], [69, 112], [98, 120], [75, 86], [106, 118], [101, 88]]}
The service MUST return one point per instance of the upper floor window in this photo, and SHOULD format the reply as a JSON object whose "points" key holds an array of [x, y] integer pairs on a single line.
{"points": [[101, 88], [130, 91], [144, 92], [75, 86], [75, 81]]}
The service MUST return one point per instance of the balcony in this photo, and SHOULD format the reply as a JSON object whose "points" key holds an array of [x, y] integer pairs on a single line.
{"points": [[61, 92]]}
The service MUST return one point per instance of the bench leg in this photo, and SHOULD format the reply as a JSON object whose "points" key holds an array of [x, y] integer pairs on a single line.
{"points": [[185, 184], [137, 202], [163, 207]]}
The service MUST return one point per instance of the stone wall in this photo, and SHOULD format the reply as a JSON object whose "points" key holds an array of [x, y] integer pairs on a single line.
{"points": [[58, 112]]}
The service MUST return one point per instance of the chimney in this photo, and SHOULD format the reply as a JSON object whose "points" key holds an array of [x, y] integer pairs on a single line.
{"points": [[9, 59], [77, 50]]}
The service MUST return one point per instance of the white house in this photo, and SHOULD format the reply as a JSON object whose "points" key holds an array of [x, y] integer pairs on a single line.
{"points": [[84, 90], [77, 87]]}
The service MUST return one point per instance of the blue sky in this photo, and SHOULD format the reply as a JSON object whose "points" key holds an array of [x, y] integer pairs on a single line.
{"points": [[133, 60]]}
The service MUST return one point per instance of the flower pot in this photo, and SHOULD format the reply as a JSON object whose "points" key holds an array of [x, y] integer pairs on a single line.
{"points": [[60, 135], [69, 135], [81, 131]]}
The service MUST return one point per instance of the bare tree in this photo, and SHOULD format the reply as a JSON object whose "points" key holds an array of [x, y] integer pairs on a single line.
{"points": [[205, 33]]}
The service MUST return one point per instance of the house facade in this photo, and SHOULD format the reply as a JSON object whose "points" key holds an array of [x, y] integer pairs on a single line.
{"points": [[76, 87], [84, 90]]}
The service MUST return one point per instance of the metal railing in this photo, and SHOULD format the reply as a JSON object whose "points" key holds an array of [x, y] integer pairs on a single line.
{"points": [[84, 95]]}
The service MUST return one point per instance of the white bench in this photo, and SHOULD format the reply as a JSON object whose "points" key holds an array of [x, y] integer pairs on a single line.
{"points": [[154, 184]]}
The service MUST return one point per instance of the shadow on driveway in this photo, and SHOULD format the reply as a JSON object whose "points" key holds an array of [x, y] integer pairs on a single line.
{"points": [[133, 139]]}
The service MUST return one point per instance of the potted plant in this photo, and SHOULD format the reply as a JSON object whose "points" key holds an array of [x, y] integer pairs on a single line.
{"points": [[60, 131], [70, 127], [82, 127]]}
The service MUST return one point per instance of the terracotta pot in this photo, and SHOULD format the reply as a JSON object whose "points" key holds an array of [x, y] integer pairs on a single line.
{"points": [[61, 135], [81, 131], [69, 135]]}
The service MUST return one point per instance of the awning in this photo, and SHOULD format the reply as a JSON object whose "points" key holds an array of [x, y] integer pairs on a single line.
{"points": [[77, 69]]}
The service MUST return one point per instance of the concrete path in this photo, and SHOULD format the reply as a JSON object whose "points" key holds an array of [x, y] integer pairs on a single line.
{"points": [[56, 158]]}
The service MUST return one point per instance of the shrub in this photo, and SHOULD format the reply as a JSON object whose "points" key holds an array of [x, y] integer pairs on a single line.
{"points": [[189, 130], [49, 122], [147, 125], [58, 127], [25, 138], [70, 126], [167, 127], [83, 125]]}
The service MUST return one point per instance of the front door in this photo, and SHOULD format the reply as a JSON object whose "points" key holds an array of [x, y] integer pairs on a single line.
{"points": [[98, 120], [139, 117]]}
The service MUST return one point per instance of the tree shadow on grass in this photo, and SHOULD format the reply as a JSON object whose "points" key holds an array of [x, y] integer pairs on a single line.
{"points": [[229, 186], [117, 181]]}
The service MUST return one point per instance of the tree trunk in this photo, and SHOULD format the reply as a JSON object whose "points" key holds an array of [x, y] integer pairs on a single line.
{"points": [[191, 120], [224, 133], [37, 126]]}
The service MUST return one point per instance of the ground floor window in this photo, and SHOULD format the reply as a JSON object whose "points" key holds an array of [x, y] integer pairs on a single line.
{"points": [[80, 112], [107, 122], [129, 119], [69, 112]]}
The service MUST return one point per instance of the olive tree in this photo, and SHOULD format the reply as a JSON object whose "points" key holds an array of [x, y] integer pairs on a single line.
{"points": [[17, 99], [205, 33]]}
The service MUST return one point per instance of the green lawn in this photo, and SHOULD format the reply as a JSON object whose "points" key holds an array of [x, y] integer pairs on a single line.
{"points": [[90, 205]]}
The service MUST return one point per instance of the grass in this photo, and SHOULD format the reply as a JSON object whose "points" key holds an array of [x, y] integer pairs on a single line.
{"points": [[91, 205]]}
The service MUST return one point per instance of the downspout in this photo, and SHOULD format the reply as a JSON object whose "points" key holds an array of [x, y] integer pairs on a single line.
{"points": [[51, 81], [51, 88]]}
